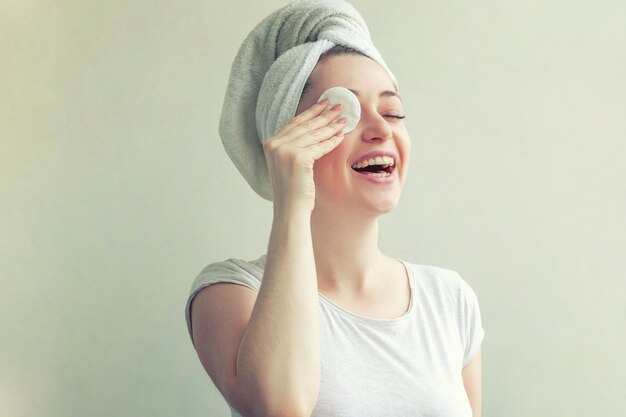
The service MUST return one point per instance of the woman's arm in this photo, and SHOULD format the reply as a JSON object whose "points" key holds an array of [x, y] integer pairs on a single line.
{"points": [[263, 353], [472, 380], [278, 365], [262, 349]]}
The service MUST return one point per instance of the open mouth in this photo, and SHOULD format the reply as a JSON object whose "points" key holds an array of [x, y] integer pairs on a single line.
{"points": [[378, 171], [377, 167]]}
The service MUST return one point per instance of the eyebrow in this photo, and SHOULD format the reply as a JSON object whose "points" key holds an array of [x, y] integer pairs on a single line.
{"points": [[386, 93]]}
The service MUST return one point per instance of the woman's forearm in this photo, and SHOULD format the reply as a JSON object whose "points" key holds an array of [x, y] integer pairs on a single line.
{"points": [[278, 365]]}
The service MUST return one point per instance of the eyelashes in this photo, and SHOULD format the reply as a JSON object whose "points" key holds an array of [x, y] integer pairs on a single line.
{"points": [[395, 116]]}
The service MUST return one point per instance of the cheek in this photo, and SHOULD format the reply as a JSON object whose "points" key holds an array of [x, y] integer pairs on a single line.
{"points": [[323, 168], [330, 167], [404, 144], [407, 147], [338, 156]]}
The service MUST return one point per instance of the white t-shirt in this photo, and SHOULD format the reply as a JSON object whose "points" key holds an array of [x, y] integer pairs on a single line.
{"points": [[408, 366]]}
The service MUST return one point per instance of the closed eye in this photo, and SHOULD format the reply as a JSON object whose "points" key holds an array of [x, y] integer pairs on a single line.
{"points": [[394, 116]]}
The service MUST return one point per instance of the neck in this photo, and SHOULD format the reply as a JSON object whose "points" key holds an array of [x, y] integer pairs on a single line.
{"points": [[347, 257]]}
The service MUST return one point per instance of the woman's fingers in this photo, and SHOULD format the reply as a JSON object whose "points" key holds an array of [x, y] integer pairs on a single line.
{"points": [[320, 134], [292, 152], [326, 146], [298, 127], [313, 111]]}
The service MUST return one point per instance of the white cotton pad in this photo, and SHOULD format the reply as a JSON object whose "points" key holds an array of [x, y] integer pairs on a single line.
{"points": [[350, 106]]}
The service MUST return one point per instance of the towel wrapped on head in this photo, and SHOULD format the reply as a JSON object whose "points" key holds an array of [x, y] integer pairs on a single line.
{"points": [[269, 73]]}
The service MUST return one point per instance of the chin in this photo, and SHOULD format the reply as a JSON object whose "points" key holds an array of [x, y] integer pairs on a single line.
{"points": [[378, 205], [374, 203], [383, 207]]}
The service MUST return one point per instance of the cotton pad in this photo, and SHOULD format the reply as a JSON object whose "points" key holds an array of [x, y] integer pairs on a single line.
{"points": [[350, 106]]}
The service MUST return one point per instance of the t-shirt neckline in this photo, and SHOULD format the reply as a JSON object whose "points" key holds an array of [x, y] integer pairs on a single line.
{"points": [[373, 320]]}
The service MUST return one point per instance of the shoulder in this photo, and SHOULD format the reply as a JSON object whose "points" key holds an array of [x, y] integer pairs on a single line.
{"points": [[232, 270], [435, 276], [235, 265], [443, 282]]}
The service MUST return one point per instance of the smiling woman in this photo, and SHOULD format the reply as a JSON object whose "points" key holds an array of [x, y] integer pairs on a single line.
{"points": [[341, 189], [325, 324]]}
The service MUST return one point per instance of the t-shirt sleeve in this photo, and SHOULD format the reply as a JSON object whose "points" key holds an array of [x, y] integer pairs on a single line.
{"points": [[234, 271], [470, 322]]}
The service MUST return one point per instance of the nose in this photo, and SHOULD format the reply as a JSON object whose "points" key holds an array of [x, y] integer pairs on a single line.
{"points": [[375, 127]]}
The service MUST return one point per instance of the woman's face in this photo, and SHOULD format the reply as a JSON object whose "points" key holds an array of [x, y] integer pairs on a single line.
{"points": [[336, 182]]}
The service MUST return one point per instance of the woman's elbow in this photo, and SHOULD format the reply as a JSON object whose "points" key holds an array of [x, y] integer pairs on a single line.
{"points": [[251, 407]]}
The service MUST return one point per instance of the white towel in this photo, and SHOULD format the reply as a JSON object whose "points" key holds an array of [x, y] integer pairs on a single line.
{"points": [[269, 73]]}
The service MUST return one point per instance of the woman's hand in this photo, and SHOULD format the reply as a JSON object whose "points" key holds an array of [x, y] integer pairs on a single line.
{"points": [[291, 153]]}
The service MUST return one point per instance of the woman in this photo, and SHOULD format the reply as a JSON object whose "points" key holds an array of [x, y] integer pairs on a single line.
{"points": [[326, 324]]}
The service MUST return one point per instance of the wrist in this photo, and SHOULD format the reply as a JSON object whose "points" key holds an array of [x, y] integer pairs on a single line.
{"points": [[291, 211]]}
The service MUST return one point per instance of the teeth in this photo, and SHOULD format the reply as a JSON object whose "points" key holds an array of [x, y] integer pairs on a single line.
{"points": [[378, 175], [385, 161]]}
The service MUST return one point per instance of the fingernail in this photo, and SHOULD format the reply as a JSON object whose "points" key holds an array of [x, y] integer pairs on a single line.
{"points": [[336, 107], [325, 101], [342, 121]]}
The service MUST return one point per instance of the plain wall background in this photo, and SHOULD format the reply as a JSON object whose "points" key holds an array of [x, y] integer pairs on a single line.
{"points": [[115, 192]]}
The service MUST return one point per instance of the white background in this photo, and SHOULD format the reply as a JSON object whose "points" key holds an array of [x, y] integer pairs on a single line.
{"points": [[115, 192]]}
